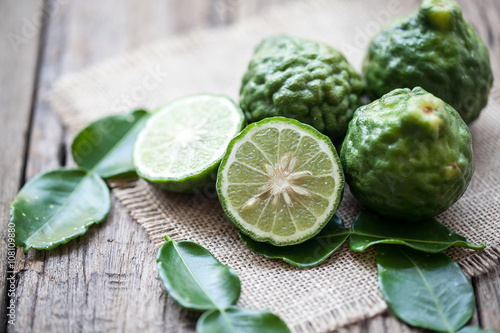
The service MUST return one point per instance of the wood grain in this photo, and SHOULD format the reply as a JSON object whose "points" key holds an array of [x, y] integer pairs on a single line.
{"points": [[484, 16], [487, 288], [94, 281], [106, 280], [18, 64]]}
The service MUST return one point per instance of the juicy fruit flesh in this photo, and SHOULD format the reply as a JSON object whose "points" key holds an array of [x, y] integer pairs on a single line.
{"points": [[186, 137], [281, 183]]}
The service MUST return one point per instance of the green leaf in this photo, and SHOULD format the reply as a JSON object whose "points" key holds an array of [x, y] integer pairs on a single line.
{"points": [[194, 278], [474, 329], [106, 145], [239, 320], [423, 289], [57, 206], [308, 254], [427, 235]]}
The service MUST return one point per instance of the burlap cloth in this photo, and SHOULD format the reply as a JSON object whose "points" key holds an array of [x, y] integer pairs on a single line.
{"points": [[344, 288]]}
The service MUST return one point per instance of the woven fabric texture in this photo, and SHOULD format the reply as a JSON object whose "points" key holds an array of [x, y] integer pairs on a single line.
{"points": [[344, 288]]}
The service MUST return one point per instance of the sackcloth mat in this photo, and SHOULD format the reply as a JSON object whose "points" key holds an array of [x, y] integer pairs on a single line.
{"points": [[344, 288]]}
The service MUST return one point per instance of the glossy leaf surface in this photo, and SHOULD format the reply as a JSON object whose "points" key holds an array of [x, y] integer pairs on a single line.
{"points": [[239, 320], [474, 329], [427, 235], [308, 254], [194, 278], [57, 206], [106, 145], [423, 289]]}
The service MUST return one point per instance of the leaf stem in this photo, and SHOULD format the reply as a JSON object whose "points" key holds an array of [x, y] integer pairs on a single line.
{"points": [[223, 312], [429, 289], [193, 275], [459, 243]]}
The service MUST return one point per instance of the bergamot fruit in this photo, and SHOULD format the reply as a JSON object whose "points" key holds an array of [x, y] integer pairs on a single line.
{"points": [[280, 181], [434, 48], [180, 147], [408, 155], [301, 79]]}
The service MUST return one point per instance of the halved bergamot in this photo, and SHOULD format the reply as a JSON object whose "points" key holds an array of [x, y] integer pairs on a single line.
{"points": [[280, 181], [182, 143]]}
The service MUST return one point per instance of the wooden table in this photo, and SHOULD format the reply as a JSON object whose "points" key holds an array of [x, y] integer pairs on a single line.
{"points": [[107, 280]]}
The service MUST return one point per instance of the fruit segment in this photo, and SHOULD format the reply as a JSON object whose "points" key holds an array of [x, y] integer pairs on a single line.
{"points": [[182, 143], [280, 181]]}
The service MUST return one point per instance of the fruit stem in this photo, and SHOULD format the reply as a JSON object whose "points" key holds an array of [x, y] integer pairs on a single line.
{"points": [[441, 14]]}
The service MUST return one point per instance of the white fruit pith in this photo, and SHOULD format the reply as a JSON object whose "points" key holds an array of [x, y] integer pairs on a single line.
{"points": [[282, 183], [189, 134]]}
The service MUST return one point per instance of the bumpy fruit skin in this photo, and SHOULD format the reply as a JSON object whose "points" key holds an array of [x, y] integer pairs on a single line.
{"points": [[301, 79], [436, 49], [408, 155]]}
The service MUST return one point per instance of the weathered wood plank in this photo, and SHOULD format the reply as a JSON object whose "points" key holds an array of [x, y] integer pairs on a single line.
{"points": [[20, 26], [91, 284], [57, 292], [484, 16], [487, 288], [107, 280], [104, 281]]}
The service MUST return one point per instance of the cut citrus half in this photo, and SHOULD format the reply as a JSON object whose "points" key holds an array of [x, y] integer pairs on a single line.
{"points": [[280, 181], [181, 145]]}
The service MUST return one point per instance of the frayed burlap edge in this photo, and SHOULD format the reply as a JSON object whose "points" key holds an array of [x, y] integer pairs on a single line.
{"points": [[482, 262]]}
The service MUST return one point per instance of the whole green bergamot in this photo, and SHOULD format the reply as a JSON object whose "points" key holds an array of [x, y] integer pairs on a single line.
{"points": [[408, 155], [301, 79], [434, 48]]}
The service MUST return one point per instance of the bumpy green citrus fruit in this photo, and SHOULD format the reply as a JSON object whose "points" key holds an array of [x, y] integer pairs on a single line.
{"points": [[301, 79], [436, 49], [407, 155], [280, 181]]}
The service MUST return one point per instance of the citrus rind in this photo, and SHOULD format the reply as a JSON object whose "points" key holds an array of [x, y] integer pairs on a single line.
{"points": [[180, 147], [282, 194]]}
